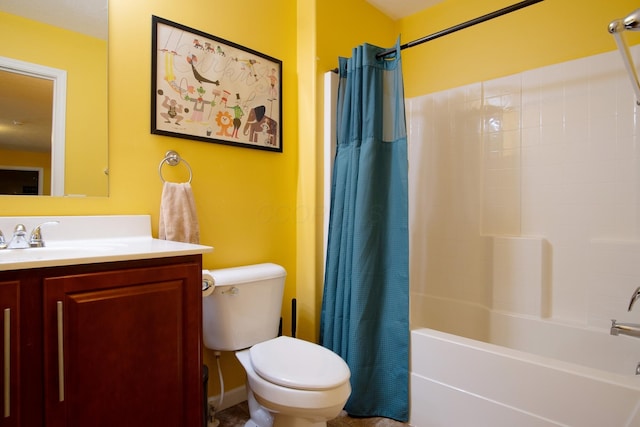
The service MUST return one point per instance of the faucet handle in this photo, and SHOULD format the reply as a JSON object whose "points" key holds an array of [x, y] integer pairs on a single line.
{"points": [[35, 240], [634, 298]]}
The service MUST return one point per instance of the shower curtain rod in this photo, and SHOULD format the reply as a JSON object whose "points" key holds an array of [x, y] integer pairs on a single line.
{"points": [[462, 26], [459, 27]]}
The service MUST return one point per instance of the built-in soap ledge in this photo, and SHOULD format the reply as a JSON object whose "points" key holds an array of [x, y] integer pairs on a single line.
{"points": [[73, 240], [522, 275]]}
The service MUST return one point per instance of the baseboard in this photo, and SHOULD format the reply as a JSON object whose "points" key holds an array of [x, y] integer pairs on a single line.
{"points": [[231, 398]]}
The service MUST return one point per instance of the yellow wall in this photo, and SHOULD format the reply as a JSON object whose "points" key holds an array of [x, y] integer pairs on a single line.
{"points": [[84, 58], [245, 198], [545, 33], [306, 216]]}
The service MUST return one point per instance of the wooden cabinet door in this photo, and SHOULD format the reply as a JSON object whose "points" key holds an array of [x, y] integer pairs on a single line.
{"points": [[9, 353], [122, 348]]}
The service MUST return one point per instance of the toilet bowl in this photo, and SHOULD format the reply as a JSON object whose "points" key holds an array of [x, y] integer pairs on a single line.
{"points": [[290, 382]]}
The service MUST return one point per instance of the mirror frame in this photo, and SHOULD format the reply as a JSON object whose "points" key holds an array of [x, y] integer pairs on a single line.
{"points": [[58, 119]]}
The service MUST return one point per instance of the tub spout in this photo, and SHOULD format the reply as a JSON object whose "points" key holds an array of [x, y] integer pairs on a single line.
{"points": [[631, 329]]}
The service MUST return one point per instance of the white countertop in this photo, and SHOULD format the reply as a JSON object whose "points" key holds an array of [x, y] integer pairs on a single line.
{"points": [[89, 239]]}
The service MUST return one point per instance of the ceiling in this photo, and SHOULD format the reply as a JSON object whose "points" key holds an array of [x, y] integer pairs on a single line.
{"points": [[90, 17], [397, 9]]}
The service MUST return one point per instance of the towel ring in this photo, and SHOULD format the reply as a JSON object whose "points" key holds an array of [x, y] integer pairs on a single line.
{"points": [[172, 158]]}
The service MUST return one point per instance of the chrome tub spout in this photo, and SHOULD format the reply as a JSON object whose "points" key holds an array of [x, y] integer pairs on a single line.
{"points": [[631, 329]]}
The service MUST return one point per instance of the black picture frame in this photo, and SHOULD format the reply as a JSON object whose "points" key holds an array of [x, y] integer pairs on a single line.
{"points": [[209, 89]]}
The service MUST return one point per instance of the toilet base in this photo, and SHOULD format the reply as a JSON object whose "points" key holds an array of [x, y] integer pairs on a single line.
{"points": [[280, 420], [285, 421], [262, 417]]}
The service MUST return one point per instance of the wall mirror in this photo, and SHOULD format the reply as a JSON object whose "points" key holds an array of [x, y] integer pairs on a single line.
{"points": [[53, 97]]}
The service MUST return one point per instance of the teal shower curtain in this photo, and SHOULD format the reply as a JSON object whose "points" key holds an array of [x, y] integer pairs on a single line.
{"points": [[365, 306]]}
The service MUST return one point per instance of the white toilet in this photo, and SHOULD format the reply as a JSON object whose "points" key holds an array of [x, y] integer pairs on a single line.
{"points": [[290, 382]]}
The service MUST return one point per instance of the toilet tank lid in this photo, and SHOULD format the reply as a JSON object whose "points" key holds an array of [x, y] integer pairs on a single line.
{"points": [[298, 364], [247, 274]]}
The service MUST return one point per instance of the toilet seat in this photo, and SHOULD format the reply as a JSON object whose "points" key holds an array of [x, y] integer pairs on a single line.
{"points": [[276, 397], [298, 364]]}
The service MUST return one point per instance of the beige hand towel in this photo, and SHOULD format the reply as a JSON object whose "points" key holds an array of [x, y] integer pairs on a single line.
{"points": [[178, 218]]}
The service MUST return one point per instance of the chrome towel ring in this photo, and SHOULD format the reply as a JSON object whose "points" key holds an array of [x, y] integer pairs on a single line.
{"points": [[172, 158]]}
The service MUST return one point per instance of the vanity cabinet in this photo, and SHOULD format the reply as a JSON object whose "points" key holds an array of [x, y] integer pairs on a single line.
{"points": [[111, 344]]}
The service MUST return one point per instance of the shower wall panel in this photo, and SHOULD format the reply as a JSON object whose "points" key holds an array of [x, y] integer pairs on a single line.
{"points": [[550, 153]]}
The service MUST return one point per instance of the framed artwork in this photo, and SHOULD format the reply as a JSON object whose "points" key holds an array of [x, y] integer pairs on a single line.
{"points": [[209, 89]]}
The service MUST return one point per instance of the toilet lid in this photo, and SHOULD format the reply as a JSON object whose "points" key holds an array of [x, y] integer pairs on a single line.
{"points": [[295, 363]]}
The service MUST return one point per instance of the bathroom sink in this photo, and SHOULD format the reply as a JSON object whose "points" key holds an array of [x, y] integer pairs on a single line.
{"points": [[56, 250], [83, 245]]}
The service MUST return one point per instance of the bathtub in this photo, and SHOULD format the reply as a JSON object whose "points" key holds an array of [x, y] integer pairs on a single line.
{"points": [[498, 369]]}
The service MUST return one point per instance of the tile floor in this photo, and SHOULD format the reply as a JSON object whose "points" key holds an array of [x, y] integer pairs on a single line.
{"points": [[237, 415]]}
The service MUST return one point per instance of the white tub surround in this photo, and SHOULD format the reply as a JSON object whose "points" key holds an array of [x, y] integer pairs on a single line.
{"points": [[87, 240], [525, 240]]}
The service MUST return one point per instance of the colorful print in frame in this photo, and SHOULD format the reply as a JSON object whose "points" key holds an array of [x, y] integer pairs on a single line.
{"points": [[212, 90]]}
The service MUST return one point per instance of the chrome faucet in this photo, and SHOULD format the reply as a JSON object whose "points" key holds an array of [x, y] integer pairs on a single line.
{"points": [[631, 329], [3, 243], [35, 240], [19, 239]]}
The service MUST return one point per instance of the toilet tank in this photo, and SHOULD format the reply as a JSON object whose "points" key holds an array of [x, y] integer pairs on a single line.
{"points": [[244, 308]]}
